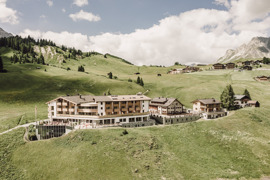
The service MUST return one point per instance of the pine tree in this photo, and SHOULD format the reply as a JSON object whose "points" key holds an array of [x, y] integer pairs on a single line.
{"points": [[246, 93], [109, 92], [110, 75], [141, 83], [81, 68], [227, 98], [42, 59], [1, 65], [138, 80]]}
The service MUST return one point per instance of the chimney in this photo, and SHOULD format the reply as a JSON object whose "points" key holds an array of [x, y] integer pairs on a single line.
{"points": [[80, 96], [104, 94]]}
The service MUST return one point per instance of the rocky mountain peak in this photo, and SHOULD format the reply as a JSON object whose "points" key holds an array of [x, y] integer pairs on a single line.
{"points": [[257, 48], [4, 33]]}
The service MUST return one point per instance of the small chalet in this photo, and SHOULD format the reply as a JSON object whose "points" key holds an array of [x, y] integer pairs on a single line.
{"points": [[262, 78], [166, 106], [247, 63], [253, 104], [257, 62], [208, 108], [219, 66], [190, 69], [175, 71], [230, 66], [249, 68], [241, 101]]}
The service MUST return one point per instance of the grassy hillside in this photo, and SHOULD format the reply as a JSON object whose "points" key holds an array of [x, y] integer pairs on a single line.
{"points": [[237, 146]]}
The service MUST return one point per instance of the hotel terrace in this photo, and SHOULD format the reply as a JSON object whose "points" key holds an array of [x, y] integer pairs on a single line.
{"points": [[99, 110]]}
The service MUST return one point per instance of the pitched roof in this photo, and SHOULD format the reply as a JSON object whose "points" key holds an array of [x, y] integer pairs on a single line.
{"points": [[239, 97], [207, 101], [79, 99], [165, 101], [252, 102]]}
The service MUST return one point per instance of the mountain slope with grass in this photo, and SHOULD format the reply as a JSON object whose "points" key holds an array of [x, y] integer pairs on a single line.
{"points": [[233, 147]]}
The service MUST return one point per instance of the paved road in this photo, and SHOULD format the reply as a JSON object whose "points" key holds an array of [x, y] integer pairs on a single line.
{"points": [[24, 125]]}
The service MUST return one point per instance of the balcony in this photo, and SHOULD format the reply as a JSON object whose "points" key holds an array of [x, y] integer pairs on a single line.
{"points": [[108, 110], [87, 110], [59, 104], [59, 109]]}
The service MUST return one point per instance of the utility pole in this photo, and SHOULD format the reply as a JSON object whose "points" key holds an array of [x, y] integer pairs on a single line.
{"points": [[35, 112]]}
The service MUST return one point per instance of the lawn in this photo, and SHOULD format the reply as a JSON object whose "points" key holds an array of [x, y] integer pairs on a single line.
{"points": [[233, 147]]}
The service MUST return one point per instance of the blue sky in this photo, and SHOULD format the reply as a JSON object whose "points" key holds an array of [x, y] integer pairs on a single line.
{"points": [[142, 31], [116, 15]]}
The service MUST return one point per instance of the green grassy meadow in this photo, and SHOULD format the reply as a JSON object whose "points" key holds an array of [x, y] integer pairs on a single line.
{"points": [[233, 147]]}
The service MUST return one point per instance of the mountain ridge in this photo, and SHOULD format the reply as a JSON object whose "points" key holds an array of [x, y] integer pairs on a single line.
{"points": [[3, 33], [257, 48]]}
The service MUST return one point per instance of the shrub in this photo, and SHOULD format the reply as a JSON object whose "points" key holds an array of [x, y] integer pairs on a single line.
{"points": [[81, 68], [125, 132]]}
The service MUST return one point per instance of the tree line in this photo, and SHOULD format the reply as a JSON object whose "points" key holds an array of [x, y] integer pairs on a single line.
{"points": [[25, 49]]}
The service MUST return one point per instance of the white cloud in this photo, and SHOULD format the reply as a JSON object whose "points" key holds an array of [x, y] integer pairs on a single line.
{"points": [[77, 40], [42, 16], [80, 3], [7, 15], [82, 15], [50, 3], [200, 35], [225, 3]]}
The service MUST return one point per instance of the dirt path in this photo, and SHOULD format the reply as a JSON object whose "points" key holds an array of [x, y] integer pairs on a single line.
{"points": [[24, 125]]}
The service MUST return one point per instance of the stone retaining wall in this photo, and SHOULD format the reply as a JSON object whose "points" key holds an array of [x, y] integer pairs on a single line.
{"points": [[138, 124], [175, 119]]}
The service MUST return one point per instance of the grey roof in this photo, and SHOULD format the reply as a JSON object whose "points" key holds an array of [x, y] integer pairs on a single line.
{"points": [[208, 101], [88, 98], [239, 97], [79, 99], [165, 101], [159, 100]]}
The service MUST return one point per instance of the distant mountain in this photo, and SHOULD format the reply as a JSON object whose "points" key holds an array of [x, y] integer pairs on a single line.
{"points": [[4, 33], [257, 48]]}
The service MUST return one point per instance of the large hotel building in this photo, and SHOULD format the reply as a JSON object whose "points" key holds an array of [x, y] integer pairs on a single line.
{"points": [[99, 110]]}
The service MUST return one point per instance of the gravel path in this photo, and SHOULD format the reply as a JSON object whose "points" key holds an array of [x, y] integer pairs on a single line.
{"points": [[24, 125]]}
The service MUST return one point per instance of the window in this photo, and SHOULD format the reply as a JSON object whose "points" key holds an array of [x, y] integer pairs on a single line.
{"points": [[101, 103], [52, 107], [108, 107], [101, 108]]}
